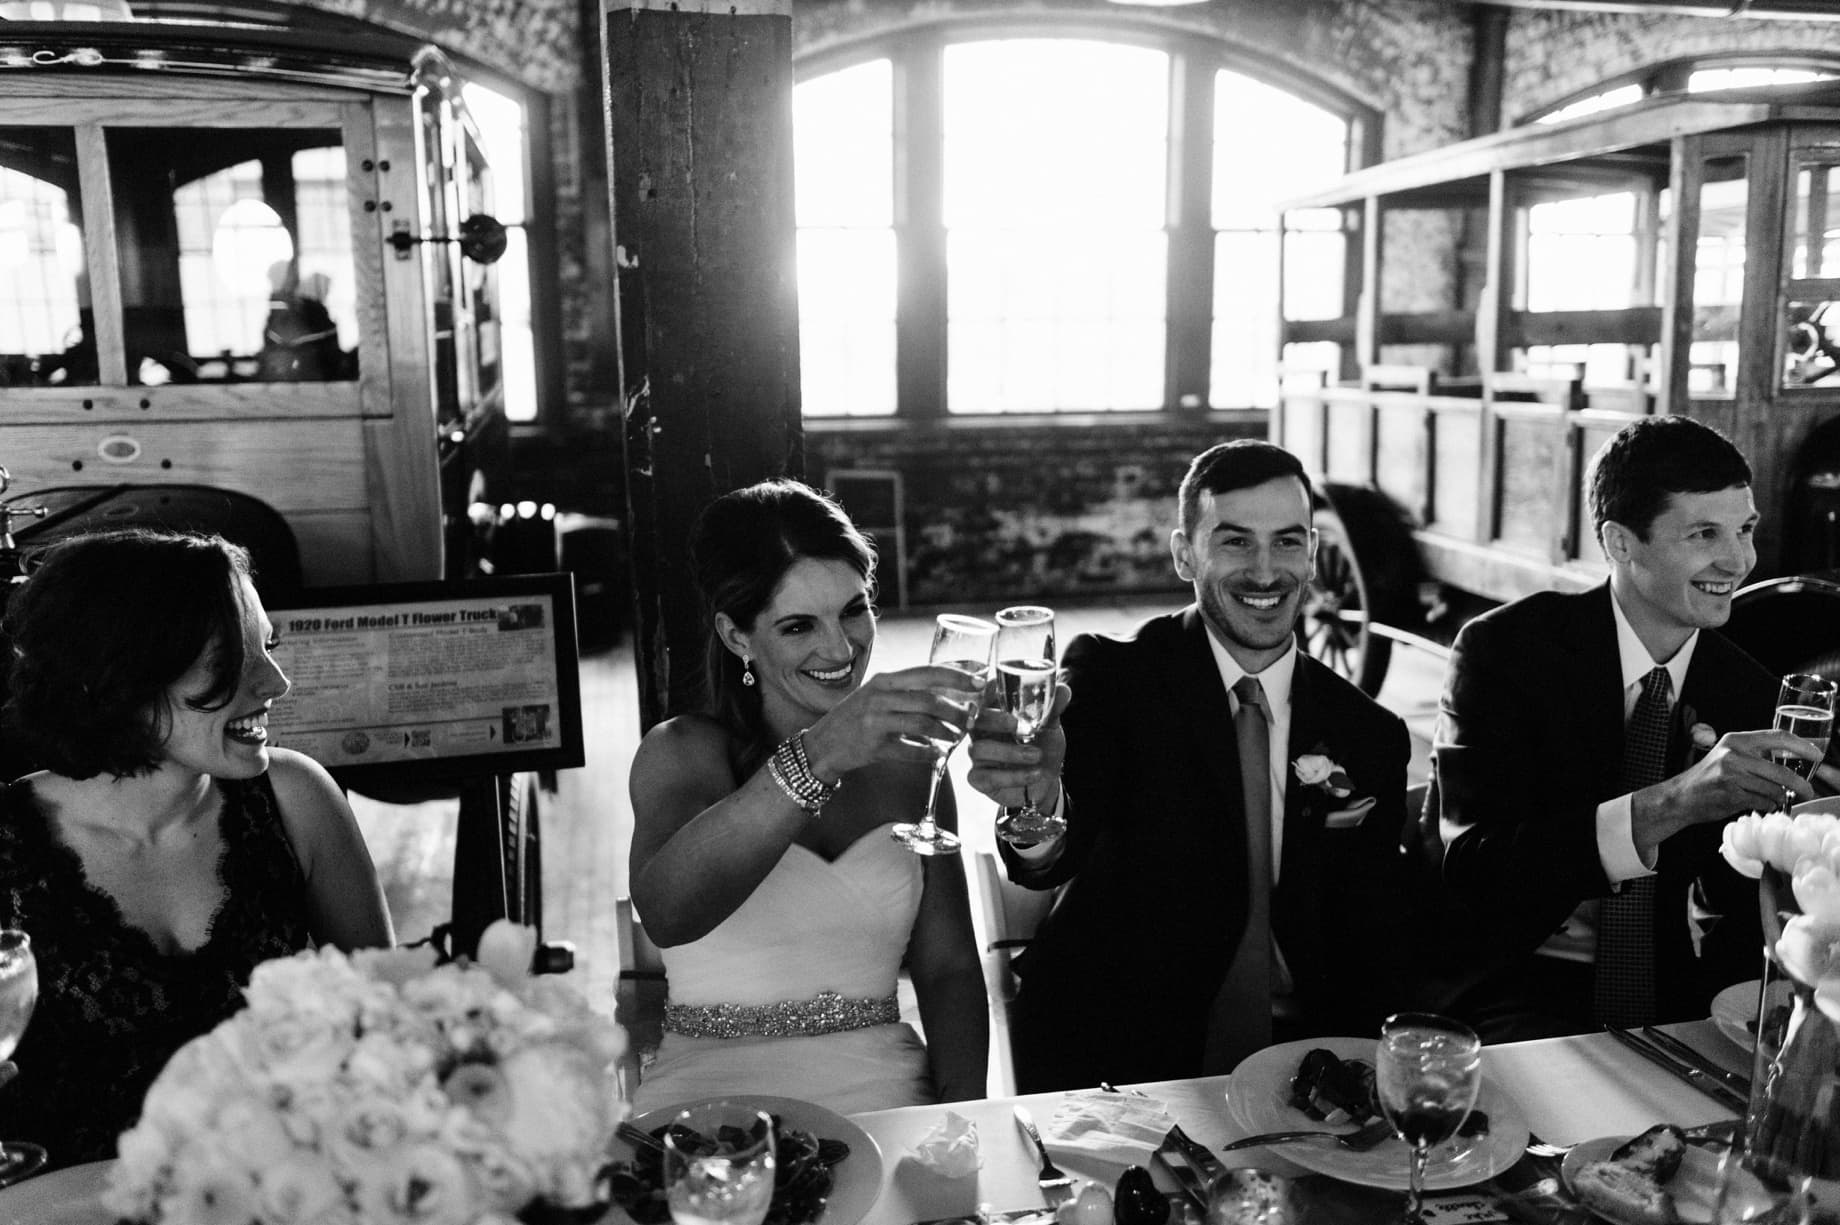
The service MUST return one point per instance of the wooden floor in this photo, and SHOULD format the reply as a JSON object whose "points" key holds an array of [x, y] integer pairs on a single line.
{"points": [[587, 824]]}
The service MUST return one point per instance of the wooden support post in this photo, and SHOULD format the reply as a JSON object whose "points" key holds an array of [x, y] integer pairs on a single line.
{"points": [[699, 123]]}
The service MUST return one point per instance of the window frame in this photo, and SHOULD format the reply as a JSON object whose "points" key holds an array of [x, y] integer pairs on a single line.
{"points": [[917, 56]]}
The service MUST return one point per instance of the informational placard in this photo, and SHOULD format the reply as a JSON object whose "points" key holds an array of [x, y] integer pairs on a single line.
{"points": [[432, 679]]}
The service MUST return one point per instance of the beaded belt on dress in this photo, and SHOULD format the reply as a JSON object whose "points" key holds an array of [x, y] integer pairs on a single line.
{"points": [[825, 1013]]}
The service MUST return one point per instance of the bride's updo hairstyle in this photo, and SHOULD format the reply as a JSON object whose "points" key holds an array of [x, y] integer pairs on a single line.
{"points": [[740, 549], [101, 631]]}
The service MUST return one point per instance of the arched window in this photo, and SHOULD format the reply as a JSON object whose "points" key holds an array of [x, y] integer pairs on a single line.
{"points": [[983, 230]]}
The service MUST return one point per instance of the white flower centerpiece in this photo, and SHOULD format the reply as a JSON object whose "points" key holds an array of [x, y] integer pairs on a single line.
{"points": [[1791, 1130], [383, 1089]]}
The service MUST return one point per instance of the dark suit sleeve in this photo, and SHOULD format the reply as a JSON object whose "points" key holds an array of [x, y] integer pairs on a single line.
{"points": [[1377, 907], [1092, 770], [1518, 783]]}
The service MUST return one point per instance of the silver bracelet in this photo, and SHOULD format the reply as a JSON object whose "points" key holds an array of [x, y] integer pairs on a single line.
{"points": [[791, 771]]}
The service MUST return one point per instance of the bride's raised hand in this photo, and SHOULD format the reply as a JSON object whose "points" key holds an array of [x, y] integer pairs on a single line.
{"points": [[890, 718]]}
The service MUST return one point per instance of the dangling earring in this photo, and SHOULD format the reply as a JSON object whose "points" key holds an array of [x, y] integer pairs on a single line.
{"points": [[747, 671]]}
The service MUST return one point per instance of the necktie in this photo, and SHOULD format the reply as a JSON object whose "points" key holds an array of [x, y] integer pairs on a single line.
{"points": [[1623, 987], [1241, 1019]]}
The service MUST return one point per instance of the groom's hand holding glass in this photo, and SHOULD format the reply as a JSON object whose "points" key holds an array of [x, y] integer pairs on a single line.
{"points": [[1013, 773]]}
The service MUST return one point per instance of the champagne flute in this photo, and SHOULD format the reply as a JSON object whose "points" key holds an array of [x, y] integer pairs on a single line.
{"points": [[1427, 1072], [719, 1163], [1026, 673], [1805, 708], [963, 643], [18, 996]]}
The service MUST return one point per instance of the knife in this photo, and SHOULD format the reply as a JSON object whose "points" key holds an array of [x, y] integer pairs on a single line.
{"points": [[1200, 1157], [1717, 1090], [1686, 1054]]}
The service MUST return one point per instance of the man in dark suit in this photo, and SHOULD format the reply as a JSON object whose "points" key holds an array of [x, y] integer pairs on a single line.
{"points": [[1585, 867], [1170, 951]]}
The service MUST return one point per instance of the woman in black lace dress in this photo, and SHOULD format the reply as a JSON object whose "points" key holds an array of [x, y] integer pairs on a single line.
{"points": [[166, 849]]}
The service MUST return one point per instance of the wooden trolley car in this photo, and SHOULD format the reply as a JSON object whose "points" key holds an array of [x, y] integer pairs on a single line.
{"points": [[246, 286], [1509, 302]]}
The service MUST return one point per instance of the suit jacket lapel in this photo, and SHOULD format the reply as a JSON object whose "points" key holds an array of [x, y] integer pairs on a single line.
{"points": [[1303, 813], [1202, 699], [1598, 680]]}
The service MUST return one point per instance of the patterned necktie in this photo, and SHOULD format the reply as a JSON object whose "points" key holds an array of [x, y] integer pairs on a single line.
{"points": [[1623, 988], [1241, 1019]]}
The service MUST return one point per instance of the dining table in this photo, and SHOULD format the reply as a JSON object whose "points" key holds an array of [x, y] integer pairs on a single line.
{"points": [[1566, 1090]]}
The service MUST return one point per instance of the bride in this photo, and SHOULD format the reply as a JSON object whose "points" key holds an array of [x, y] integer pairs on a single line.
{"points": [[761, 858]]}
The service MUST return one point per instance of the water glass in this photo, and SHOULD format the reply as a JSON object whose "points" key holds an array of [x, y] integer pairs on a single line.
{"points": [[1427, 1072], [719, 1164], [18, 997]]}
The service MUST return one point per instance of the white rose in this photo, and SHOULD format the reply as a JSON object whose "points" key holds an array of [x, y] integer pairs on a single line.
{"points": [[300, 1190], [368, 1132], [292, 1046], [505, 1180], [388, 1064], [427, 1185], [506, 950], [1810, 950], [562, 1109], [207, 1189], [1739, 845], [1818, 890], [251, 1133], [142, 1156], [1312, 769]]}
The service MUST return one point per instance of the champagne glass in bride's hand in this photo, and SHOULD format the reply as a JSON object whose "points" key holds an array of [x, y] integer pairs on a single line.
{"points": [[1026, 675], [1805, 708], [18, 996], [963, 643], [719, 1163], [1427, 1072]]}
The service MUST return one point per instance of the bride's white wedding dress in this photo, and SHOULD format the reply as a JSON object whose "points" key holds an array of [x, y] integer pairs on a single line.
{"points": [[811, 932]]}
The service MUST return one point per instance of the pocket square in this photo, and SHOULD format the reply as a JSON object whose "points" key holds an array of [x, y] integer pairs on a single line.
{"points": [[1351, 816]]}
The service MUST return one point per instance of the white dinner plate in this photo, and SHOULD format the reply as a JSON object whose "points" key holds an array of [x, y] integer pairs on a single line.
{"points": [[1825, 803], [1695, 1186], [1259, 1099], [70, 1196], [857, 1178], [1734, 1010]]}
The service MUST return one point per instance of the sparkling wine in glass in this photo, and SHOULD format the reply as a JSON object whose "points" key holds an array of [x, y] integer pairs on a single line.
{"points": [[963, 643], [1805, 708], [18, 996], [719, 1163], [1025, 676], [1427, 1072]]}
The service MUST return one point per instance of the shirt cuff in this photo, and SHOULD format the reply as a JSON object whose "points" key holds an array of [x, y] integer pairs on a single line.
{"points": [[1047, 848], [1616, 842]]}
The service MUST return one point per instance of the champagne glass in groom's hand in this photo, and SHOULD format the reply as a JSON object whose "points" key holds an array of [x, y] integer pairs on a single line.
{"points": [[1805, 708], [1026, 673]]}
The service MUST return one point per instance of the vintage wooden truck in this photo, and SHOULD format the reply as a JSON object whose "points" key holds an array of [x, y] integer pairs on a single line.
{"points": [[247, 285], [1509, 302]]}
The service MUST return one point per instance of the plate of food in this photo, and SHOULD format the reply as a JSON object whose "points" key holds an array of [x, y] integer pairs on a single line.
{"points": [[70, 1196], [830, 1170], [1652, 1179], [1735, 1011], [1288, 1087]]}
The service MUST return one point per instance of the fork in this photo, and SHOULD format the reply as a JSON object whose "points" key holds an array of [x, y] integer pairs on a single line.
{"points": [[1358, 1141], [638, 1137], [1053, 1181]]}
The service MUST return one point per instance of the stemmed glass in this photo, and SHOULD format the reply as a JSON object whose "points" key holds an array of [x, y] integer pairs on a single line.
{"points": [[1026, 673], [963, 643], [18, 996], [1805, 708], [719, 1162], [1427, 1072]]}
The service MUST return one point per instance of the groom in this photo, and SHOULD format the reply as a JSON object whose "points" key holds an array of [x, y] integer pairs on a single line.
{"points": [[1231, 868]]}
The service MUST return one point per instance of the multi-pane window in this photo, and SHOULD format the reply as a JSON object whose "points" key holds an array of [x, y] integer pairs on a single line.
{"points": [[1049, 283], [1295, 146], [843, 128], [41, 262]]}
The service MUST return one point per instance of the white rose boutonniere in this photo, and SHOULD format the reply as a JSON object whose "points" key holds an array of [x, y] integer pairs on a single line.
{"points": [[1319, 772]]}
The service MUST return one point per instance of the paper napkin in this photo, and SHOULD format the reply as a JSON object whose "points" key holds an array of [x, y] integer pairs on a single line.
{"points": [[1122, 1128], [950, 1147]]}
